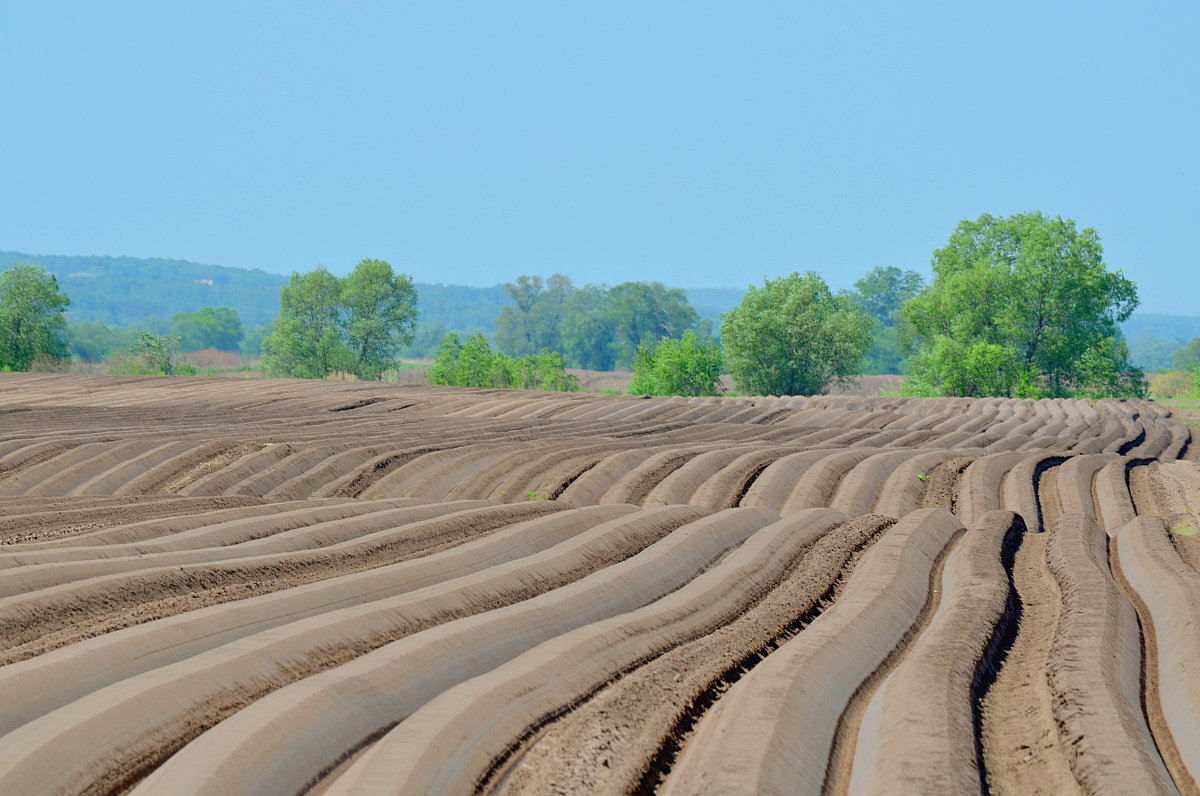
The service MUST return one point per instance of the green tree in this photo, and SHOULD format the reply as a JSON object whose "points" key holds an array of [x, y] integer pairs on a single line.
{"points": [[684, 366], [602, 326], [793, 337], [307, 339], [208, 327], [881, 294], [1024, 306], [587, 328], [92, 341], [32, 324], [380, 309], [329, 324], [1188, 355], [252, 341], [533, 320]]}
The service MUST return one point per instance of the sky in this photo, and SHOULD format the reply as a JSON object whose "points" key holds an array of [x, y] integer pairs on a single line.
{"points": [[697, 144]]}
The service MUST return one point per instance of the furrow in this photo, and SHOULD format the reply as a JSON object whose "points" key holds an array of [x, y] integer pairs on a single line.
{"points": [[775, 729]]}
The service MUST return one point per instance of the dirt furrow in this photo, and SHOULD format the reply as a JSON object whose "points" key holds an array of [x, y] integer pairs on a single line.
{"points": [[62, 615], [474, 726], [919, 731], [775, 729], [1095, 667], [325, 718]]}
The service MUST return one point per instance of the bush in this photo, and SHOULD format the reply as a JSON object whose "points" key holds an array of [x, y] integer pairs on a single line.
{"points": [[151, 355], [677, 367], [793, 337], [475, 364], [1175, 384]]}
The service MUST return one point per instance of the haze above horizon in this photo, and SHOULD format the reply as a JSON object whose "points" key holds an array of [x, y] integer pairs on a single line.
{"points": [[693, 144]]}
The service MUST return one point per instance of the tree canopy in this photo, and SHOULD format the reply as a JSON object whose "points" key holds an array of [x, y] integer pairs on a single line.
{"points": [[32, 323], [1188, 355], [793, 337], [1022, 305], [533, 321], [353, 324], [595, 326], [881, 294], [208, 327]]}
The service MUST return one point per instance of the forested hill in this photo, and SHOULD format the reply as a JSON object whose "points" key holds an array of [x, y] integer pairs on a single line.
{"points": [[124, 291], [121, 291]]}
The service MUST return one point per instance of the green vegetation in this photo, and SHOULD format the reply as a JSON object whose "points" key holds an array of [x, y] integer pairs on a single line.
{"points": [[151, 355], [677, 367], [533, 321], [124, 291], [473, 363], [882, 294], [32, 324], [1022, 306], [793, 337], [596, 326], [208, 327], [93, 341], [329, 324], [1188, 356]]}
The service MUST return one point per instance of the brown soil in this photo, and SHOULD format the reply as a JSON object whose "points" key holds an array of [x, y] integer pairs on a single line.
{"points": [[171, 459], [1021, 748]]}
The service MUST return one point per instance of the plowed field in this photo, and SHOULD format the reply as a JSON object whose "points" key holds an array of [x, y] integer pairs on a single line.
{"points": [[272, 587]]}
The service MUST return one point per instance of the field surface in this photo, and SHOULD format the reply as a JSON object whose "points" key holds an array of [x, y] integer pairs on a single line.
{"points": [[273, 587]]}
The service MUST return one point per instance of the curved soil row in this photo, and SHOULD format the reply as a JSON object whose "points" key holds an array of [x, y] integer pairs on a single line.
{"points": [[918, 733], [30, 625], [625, 737], [775, 729], [326, 714], [1094, 669], [453, 742], [1164, 592]]}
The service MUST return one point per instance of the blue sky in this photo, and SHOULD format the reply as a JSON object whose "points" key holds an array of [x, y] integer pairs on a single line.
{"points": [[699, 144]]}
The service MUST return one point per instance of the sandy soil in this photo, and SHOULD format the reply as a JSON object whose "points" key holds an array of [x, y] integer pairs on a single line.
{"points": [[268, 586]]}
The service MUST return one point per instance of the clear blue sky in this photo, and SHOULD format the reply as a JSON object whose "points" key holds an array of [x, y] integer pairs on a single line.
{"points": [[700, 144]]}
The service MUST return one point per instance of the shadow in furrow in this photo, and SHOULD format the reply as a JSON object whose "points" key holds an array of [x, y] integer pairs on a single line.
{"points": [[996, 652]]}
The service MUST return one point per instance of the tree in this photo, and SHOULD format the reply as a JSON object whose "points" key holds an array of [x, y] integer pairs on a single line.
{"points": [[208, 327], [32, 324], [587, 328], [329, 324], [533, 321], [1024, 306], [793, 337], [602, 326], [1188, 355], [380, 313], [881, 294], [92, 341], [683, 366]]}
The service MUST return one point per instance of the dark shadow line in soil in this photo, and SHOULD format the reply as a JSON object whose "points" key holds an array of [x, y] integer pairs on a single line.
{"points": [[987, 668]]}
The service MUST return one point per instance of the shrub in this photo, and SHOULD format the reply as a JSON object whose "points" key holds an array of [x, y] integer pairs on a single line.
{"points": [[677, 367], [474, 364]]}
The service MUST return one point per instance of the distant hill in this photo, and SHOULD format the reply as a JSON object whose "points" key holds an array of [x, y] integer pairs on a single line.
{"points": [[1162, 326], [120, 291], [124, 291]]}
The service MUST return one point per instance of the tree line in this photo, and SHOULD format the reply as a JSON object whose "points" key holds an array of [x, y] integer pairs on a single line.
{"points": [[1020, 306]]}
